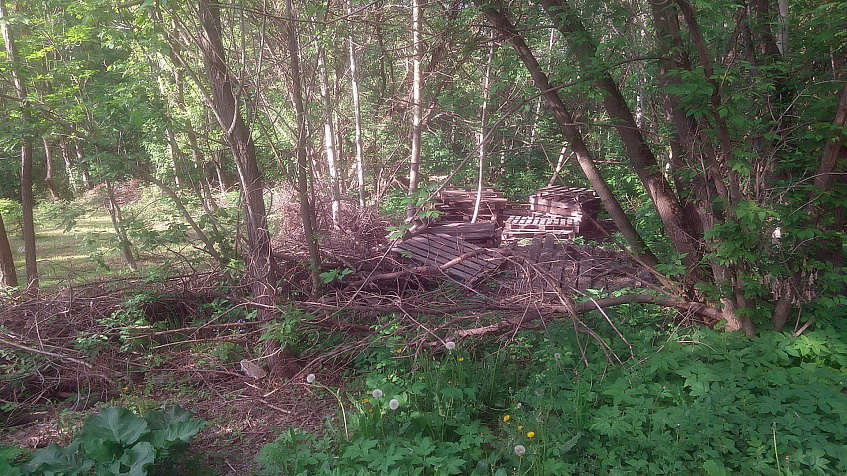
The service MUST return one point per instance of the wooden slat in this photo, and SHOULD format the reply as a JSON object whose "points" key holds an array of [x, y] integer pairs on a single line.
{"points": [[438, 249]]}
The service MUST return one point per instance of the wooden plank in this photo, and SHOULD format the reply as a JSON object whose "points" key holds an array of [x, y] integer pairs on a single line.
{"points": [[433, 251], [438, 249], [423, 251]]}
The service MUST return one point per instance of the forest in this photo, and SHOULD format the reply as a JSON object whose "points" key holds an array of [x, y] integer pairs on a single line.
{"points": [[430, 237]]}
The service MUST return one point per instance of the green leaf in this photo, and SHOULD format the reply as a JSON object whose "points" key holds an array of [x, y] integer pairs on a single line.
{"points": [[135, 459], [114, 424], [57, 460]]}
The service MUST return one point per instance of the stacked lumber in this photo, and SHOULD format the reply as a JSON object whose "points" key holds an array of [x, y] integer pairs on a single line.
{"points": [[522, 227], [457, 204], [556, 210]]}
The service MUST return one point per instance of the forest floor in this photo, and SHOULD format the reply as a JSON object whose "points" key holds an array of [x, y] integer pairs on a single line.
{"points": [[147, 342]]}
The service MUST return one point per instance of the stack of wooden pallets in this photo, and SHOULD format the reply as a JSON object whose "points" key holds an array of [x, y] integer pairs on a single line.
{"points": [[557, 211], [457, 204]]}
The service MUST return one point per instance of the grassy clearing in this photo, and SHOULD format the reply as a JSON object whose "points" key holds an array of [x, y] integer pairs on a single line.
{"points": [[66, 257]]}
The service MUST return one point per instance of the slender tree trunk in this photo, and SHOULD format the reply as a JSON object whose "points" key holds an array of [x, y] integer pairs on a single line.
{"points": [[83, 167], [560, 163], [207, 243], [261, 264], [483, 115], [417, 113], [533, 128], [8, 275], [306, 212], [563, 117], [27, 204], [48, 176], [174, 153], [329, 141], [117, 224], [357, 111], [69, 167]]}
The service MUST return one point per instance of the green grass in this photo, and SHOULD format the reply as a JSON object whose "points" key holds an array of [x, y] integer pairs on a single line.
{"points": [[65, 257], [76, 242]]}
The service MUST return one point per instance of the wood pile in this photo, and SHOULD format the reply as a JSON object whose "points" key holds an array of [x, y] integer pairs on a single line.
{"points": [[443, 250], [457, 204], [557, 211]]}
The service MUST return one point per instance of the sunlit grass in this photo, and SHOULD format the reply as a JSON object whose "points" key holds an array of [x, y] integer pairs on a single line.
{"points": [[64, 258], [86, 250]]}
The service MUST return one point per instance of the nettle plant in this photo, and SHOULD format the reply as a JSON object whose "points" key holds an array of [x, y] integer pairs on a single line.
{"points": [[115, 442]]}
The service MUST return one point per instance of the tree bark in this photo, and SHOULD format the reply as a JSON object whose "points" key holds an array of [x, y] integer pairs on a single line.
{"points": [[261, 265], [69, 167], [27, 204], [117, 224], [8, 275], [357, 111], [483, 116], [417, 113], [48, 176], [682, 233], [563, 117], [329, 140], [306, 212]]}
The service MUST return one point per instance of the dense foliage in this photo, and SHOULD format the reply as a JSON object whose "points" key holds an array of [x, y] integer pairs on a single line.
{"points": [[113, 442], [700, 403]]}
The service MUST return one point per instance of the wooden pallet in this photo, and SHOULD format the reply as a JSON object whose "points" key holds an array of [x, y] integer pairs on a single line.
{"points": [[480, 233], [438, 249], [457, 204], [520, 227]]}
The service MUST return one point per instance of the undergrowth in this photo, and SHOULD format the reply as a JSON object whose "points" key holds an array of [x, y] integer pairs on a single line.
{"points": [[707, 403]]}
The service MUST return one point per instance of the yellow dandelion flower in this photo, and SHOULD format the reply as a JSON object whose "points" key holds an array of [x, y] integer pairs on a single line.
{"points": [[399, 351], [461, 359], [520, 427], [370, 410], [365, 400], [530, 434], [506, 418]]}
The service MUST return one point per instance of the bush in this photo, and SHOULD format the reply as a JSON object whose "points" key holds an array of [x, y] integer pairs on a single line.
{"points": [[113, 442], [711, 403]]}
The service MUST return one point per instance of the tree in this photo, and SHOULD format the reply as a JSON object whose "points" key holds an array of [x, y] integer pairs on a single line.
{"points": [[417, 109], [8, 276], [260, 260], [27, 204]]}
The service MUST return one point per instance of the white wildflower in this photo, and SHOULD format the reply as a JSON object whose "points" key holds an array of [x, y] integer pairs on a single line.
{"points": [[450, 345], [310, 378], [520, 450], [394, 404], [557, 356], [377, 393]]}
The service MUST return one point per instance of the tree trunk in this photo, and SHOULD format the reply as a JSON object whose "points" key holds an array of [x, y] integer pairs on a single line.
{"points": [[117, 224], [563, 117], [357, 112], [48, 176], [329, 141], [27, 204], [483, 115], [260, 261], [682, 233], [83, 167], [8, 275], [73, 180], [417, 113], [306, 212]]}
